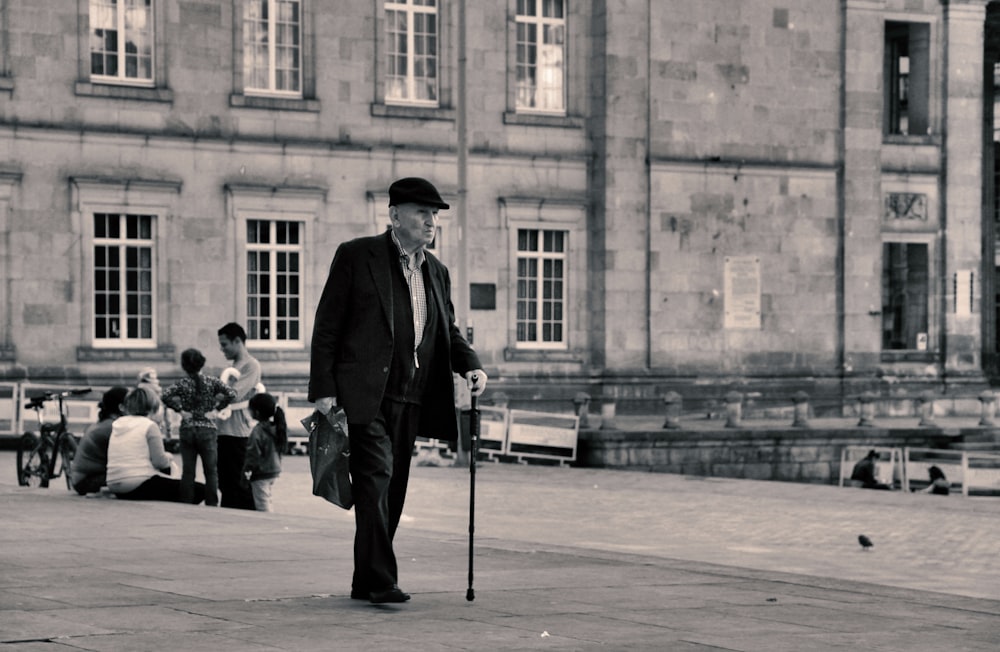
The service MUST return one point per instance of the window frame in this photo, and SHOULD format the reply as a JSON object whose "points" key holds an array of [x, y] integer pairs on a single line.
{"points": [[273, 248], [121, 79], [569, 215], [540, 279], [6, 80], [272, 48], [411, 10], [158, 199], [443, 109], [9, 184], [122, 243], [921, 89], [539, 22], [934, 298], [928, 295], [305, 100], [157, 91], [304, 205]]}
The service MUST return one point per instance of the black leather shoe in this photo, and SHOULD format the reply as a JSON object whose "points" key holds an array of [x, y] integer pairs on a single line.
{"points": [[390, 595], [357, 594]]}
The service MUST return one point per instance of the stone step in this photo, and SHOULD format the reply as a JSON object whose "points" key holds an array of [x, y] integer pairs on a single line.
{"points": [[975, 446]]}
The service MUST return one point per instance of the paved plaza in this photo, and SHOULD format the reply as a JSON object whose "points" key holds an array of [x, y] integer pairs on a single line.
{"points": [[565, 559]]}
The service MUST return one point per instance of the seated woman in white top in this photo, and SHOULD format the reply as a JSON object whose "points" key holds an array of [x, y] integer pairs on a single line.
{"points": [[138, 466]]}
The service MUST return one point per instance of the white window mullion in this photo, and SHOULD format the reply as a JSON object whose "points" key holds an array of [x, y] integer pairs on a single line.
{"points": [[411, 69], [272, 50], [272, 279]]}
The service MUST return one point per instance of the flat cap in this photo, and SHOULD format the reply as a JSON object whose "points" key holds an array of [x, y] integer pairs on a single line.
{"points": [[414, 190]]}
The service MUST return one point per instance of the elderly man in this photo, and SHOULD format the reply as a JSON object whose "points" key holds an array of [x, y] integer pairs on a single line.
{"points": [[384, 347]]}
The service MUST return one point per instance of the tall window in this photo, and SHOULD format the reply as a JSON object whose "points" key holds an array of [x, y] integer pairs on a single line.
{"points": [[541, 288], [905, 286], [541, 55], [907, 75], [121, 41], [272, 47], [274, 254], [411, 51], [123, 278]]}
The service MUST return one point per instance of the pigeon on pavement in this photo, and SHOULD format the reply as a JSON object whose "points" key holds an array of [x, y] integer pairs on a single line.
{"points": [[866, 543]]}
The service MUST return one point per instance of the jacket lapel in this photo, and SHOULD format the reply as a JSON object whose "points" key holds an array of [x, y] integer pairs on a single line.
{"points": [[436, 289], [378, 265]]}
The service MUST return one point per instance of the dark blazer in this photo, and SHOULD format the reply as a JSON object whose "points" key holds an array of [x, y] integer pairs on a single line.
{"points": [[352, 340]]}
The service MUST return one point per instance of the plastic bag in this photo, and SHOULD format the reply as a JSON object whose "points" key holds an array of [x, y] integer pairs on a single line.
{"points": [[330, 456]]}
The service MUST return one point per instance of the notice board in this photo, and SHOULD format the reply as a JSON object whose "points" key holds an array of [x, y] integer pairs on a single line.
{"points": [[742, 292]]}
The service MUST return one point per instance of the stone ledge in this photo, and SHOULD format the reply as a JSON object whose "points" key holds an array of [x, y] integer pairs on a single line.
{"points": [[140, 93], [238, 100], [543, 120], [164, 352], [762, 453], [279, 355], [414, 112]]}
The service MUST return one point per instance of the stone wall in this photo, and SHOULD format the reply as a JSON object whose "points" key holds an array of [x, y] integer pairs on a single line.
{"points": [[772, 453]]}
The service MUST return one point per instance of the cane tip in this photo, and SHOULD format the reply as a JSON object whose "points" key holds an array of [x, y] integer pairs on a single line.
{"points": [[470, 595]]}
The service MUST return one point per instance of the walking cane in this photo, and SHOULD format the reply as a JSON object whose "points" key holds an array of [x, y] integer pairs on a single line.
{"points": [[470, 594]]}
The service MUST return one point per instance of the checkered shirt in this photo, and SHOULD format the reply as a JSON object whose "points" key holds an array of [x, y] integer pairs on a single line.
{"points": [[411, 264]]}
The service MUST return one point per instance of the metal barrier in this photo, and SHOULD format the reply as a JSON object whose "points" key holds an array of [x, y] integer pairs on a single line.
{"points": [[972, 471], [493, 428], [542, 435], [518, 435], [297, 407], [9, 422], [81, 412]]}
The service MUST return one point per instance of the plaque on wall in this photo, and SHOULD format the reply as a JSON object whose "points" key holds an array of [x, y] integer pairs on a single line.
{"points": [[905, 206], [742, 292]]}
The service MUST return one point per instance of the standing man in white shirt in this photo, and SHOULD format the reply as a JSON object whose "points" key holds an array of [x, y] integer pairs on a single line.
{"points": [[234, 431]]}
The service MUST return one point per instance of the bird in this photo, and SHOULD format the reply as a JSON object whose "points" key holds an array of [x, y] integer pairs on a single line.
{"points": [[866, 543]]}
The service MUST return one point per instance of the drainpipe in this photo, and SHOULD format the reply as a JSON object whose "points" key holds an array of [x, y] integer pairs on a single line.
{"points": [[649, 185], [839, 263]]}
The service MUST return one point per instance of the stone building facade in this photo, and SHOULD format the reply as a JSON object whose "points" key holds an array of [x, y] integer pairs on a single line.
{"points": [[764, 194]]}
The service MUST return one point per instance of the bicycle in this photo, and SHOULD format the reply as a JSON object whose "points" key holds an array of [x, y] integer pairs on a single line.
{"points": [[37, 454]]}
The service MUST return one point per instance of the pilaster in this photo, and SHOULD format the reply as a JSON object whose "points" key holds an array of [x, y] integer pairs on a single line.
{"points": [[963, 194], [863, 105]]}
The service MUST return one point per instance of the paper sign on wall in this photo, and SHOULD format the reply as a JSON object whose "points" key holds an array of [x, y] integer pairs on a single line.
{"points": [[963, 292], [742, 292]]}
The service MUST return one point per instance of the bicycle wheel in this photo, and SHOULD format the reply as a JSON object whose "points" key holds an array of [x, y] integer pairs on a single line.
{"points": [[68, 450], [32, 462]]}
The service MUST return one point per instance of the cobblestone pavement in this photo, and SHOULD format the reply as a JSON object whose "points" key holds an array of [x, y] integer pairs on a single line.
{"points": [[936, 543], [566, 559]]}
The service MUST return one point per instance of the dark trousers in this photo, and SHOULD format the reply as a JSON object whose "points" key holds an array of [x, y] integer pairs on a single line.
{"points": [[232, 453], [380, 470], [199, 441], [160, 488]]}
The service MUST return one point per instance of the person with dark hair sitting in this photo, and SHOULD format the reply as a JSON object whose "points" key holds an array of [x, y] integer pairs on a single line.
{"points": [[939, 483], [864, 472], [90, 464]]}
